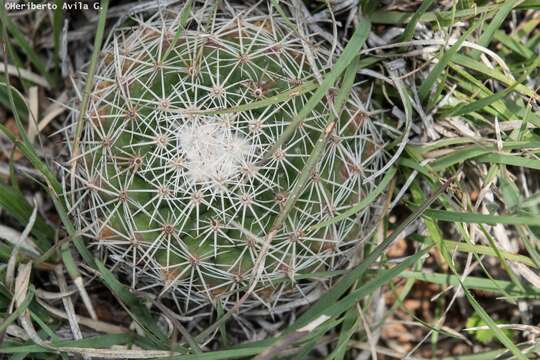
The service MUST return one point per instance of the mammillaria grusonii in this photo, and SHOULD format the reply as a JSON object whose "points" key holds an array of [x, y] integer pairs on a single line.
{"points": [[185, 167]]}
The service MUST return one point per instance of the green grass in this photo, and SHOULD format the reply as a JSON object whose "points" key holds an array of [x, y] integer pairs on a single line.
{"points": [[461, 186]]}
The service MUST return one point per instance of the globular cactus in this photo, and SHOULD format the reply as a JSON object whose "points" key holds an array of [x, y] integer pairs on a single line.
{"points": [[179, 180]]}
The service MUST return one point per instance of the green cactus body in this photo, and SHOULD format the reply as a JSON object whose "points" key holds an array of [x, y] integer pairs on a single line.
{"points": [[174, 187]]}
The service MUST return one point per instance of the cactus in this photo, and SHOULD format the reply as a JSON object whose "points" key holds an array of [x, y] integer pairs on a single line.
{"points": [[178, 180]]}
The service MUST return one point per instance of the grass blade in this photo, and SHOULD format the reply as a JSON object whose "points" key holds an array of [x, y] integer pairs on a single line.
{"points": [[132, 305], [362, 203], [472, 282], [411, 25], [501, 336], [90, 76], [497, 21], [438, 69], [356, 42], [476, 218], [29, 51]]}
